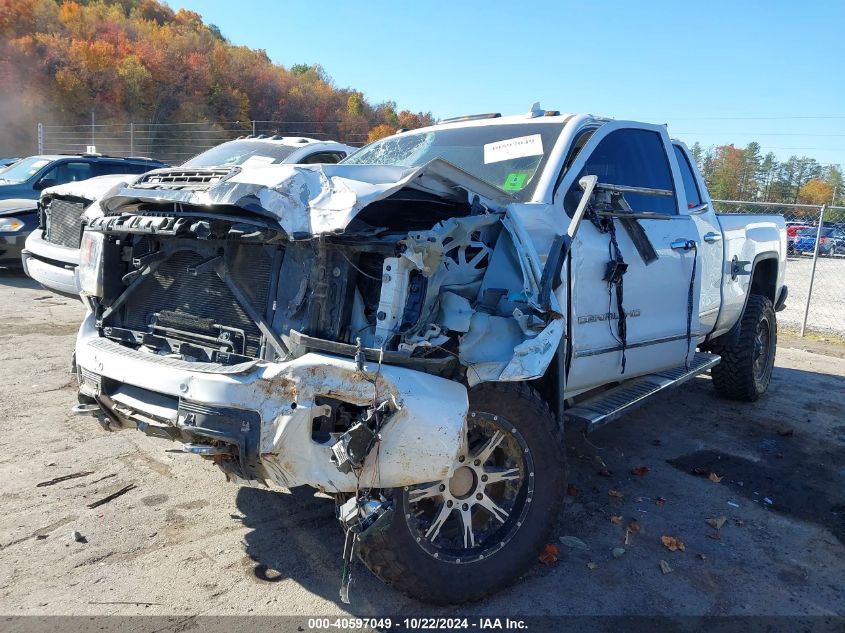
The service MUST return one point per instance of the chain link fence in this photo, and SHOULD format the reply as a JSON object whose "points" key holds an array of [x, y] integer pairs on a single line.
{"points": [[815, 268], [175, 143]]}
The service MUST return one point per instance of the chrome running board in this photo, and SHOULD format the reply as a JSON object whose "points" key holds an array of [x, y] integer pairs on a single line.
{"points": [[613, 403]]}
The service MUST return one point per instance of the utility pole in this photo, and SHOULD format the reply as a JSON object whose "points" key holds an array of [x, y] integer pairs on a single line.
{"points": [[92, 128]]}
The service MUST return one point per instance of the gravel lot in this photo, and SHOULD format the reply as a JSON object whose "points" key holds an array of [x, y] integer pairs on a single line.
{"points": [[828, 301], [185, 542]]}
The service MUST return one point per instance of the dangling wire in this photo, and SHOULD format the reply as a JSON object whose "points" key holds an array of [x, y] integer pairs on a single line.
{"points": [[690, 303]]}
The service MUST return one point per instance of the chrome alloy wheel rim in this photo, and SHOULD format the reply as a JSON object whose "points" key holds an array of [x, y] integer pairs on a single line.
{"points": [[481, 506]]}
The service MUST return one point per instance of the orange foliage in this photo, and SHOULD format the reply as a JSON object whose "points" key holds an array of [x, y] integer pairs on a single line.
{"points": [[380, 131], [139, 60], [816, 191]]}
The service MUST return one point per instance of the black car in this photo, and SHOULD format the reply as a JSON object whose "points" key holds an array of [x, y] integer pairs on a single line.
{"points": [[28, 177], [22, 182], [18, 218]]}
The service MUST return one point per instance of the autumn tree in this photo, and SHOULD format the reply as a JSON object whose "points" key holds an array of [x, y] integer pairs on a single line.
{"points": [[140, 61], [380, 131], [815, 191]]}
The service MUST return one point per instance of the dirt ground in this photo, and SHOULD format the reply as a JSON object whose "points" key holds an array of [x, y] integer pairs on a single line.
{"points": [[183, 541]]}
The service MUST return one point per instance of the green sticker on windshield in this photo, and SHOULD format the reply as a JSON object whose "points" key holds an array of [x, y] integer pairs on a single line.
{"points": [[515, 181]]}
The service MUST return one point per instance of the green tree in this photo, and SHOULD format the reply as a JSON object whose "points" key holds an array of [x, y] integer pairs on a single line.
{"points": [[355, 104], [749, 185], [728, 172], [768, 171]]}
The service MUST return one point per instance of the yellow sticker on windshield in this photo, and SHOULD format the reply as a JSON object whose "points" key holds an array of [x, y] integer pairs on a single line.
{"points": [[515, 181]]}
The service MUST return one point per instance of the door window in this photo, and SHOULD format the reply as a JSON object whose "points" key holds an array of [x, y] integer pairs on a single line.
{"points": [[690, 185], [634, 158], [67, 172]]}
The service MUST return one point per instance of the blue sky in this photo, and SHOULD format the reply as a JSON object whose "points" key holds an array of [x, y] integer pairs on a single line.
{"points": [[716, 72]]}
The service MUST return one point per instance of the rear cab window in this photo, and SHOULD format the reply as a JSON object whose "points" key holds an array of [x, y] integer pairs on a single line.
{"points": [[690, 185]]}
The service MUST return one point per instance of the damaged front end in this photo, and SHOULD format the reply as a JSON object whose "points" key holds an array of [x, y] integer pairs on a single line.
{"points": [[313, 325]]}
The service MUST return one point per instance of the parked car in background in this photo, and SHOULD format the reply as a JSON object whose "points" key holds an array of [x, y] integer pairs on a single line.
{"points": [[5, 161], [52, 251], [28, 177], [17, 219], [792, 231], [831, 242], [22, 182]]}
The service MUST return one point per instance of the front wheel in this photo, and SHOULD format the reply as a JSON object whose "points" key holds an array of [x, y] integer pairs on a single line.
{"points": [[746, 366], [462, 538]]}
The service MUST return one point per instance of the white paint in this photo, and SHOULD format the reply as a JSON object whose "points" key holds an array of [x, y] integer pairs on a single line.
{"points": [[257, 161], [395, 277]]}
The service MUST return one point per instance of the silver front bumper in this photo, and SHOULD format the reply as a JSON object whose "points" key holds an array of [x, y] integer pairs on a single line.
{"points": [[51, 265], [419, 442]]}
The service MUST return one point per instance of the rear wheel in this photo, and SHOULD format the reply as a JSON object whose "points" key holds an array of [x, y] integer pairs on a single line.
{"points": [[746, 366], [462, 538]]}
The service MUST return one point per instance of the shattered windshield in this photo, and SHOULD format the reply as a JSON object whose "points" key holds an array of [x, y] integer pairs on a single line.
{"points": [[247, 153], [21, 170], [508, 156]]}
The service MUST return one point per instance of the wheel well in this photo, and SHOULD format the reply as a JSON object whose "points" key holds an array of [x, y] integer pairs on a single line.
{"points": [[548, 385], [765, 279]]}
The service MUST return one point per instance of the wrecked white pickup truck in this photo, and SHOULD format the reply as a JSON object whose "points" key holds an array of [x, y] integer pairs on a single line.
{"points": [[409, 330]]}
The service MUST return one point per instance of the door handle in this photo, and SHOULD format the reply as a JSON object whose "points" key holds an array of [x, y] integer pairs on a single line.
{"points": [[712, 238], [683, 245]]}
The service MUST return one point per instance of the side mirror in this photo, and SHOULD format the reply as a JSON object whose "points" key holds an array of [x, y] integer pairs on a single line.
{"points": [[550, 277], [46, 182], [588, 184]]}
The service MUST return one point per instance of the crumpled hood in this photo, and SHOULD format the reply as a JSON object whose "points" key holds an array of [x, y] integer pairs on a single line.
{"points": [[312, 200], [91, 189], [14, 206]]}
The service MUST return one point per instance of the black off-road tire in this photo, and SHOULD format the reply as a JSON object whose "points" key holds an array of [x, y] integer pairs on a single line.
{"points": [[742, 374], [396, 558]]}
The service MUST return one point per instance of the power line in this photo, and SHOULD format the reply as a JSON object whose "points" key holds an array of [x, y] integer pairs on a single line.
{"points": [[763, 134], [749, 118]]}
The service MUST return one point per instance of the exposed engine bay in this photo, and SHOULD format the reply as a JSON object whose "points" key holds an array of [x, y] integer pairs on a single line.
{"points": [[415, 280]]}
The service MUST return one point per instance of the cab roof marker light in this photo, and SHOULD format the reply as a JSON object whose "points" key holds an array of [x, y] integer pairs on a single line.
{"points": [[470, 117]]}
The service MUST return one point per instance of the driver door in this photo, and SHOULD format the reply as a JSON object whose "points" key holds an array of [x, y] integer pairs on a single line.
{"points": [[655, 293]]}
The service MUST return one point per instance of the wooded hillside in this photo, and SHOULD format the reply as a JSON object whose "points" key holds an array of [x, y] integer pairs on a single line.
{"points": [[139, 61]]}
